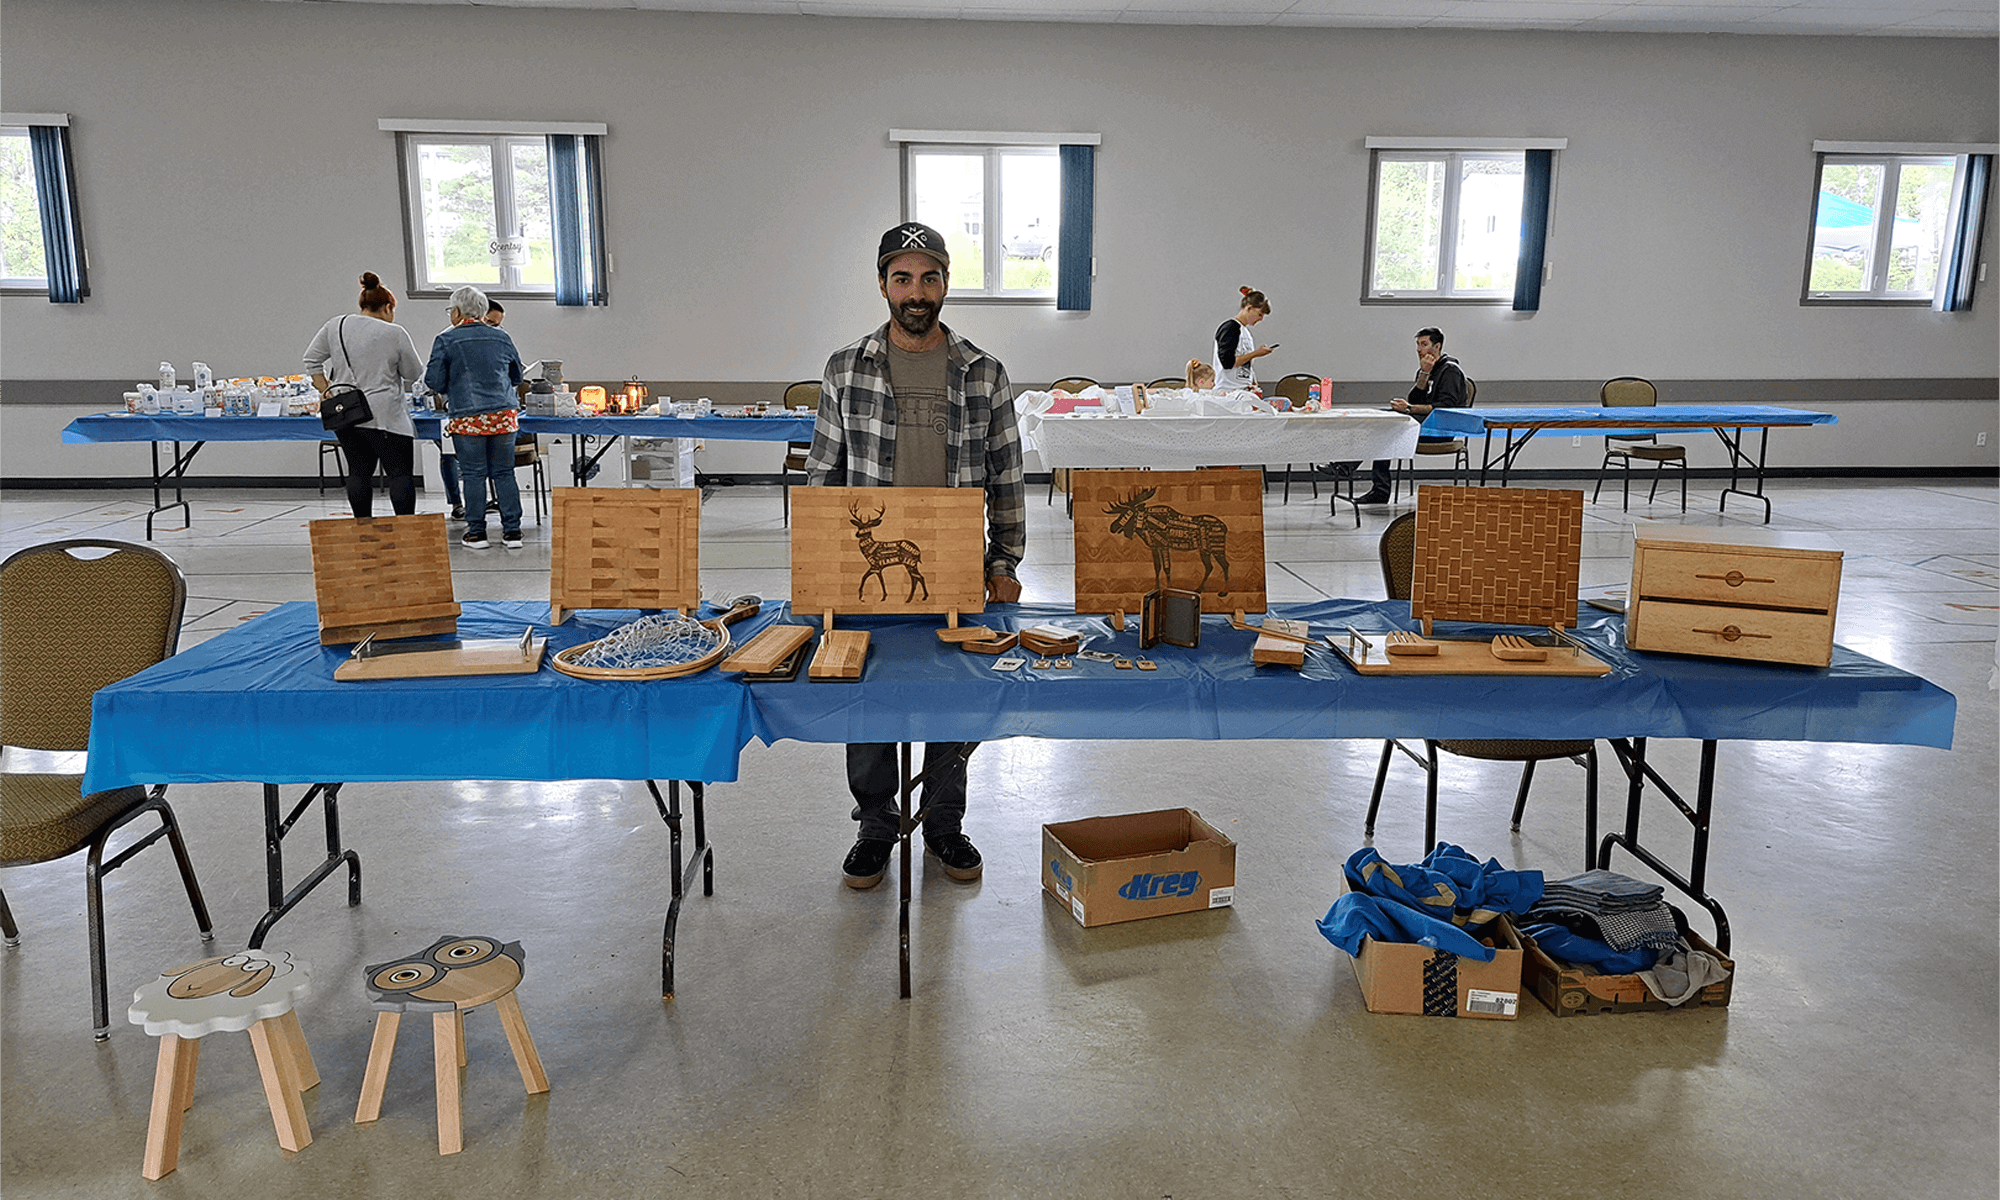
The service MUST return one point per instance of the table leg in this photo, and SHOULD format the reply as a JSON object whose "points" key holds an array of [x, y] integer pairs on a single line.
{"points": [[581, 461], [1631, 754], [909, 824], [288, 1111], [276, 826], [173, 1087], [178, 474], [703, 855], [1739, 459]]}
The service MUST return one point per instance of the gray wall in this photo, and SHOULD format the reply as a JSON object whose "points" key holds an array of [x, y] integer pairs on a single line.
{"points": [[234, 184]]}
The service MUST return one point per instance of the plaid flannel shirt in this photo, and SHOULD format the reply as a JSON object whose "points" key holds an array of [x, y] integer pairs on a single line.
{"points": [[854, 441]]}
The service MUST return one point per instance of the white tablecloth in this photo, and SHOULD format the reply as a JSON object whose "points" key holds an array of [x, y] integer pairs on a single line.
{"points": [[1175, 443]]}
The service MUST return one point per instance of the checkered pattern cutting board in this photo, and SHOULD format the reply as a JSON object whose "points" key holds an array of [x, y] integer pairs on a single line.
{"points": [[1505, 556]]}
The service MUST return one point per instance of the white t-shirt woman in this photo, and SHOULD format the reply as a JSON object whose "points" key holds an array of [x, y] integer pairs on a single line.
{"points": [[1236, 349]]}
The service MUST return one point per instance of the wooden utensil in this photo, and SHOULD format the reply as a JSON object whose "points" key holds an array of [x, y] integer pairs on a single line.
{"points": [[1404, 643], [1512, 647]]}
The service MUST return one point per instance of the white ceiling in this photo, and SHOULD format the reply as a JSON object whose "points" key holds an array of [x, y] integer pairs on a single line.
{"points": [[1879, 18]]}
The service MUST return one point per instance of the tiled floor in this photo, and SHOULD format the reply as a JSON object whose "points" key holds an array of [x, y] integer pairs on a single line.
{"points": [[1218, 1054]]}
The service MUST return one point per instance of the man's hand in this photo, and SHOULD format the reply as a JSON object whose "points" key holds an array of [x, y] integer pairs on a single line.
{"points": [[1426, 359], [1002, 589], [1400, 404]]}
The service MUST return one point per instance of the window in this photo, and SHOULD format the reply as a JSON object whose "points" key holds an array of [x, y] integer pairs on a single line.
{"points": [[21, 262], [1890, 228], [1448, 220], [512, 210], [41, 231], [1016, 210], [998, 208]]}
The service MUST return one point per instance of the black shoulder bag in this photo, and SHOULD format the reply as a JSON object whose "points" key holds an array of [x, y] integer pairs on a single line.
{"points": [[344, 405]]}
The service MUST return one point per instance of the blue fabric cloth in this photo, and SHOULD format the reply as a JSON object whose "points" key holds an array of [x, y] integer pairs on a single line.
{"points": [[1575, 949], [474, 367], [1435, 902]]}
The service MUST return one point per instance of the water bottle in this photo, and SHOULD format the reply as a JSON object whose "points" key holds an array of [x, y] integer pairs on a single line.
{"points": [[167, 377]]}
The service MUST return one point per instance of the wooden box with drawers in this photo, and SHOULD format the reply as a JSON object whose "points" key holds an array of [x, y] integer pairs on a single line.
{"points": [[1734, 593]]}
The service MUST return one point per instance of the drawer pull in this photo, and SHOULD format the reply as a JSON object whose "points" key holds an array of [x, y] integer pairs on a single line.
{"points": [[1730, 633], [1736, 578]]}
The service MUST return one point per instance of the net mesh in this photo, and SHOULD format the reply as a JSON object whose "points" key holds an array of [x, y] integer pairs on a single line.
{"points": [[662, 640]]}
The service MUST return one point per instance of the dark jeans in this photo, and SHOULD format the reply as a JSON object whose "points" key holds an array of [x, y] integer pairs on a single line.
{"points": [[874, 775], [482, 457], [365, 449], [448, 471], [1378, 473]]}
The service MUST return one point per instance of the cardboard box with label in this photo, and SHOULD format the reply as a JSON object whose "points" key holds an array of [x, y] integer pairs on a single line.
{"points": [[1393, 977], [1111, 869]]}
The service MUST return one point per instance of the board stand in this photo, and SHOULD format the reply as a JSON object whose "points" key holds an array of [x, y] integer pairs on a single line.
{"points": [[275, 829], [702, 854], [910, 823]]}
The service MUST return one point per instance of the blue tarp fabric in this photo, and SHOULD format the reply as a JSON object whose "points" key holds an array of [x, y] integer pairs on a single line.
{"points": [[1439, 902]]}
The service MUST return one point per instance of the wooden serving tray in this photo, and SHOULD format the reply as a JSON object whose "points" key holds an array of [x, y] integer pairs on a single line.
{"points": [[1455, 657], [481, 656]]}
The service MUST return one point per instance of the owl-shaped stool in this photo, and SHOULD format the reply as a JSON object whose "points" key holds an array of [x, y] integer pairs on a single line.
{"points": [[255, 991], [451, 978]]}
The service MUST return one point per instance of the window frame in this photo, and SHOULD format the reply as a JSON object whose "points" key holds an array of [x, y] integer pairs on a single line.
{"points": [[27, 285], [992, 212], [501, 146], [1892, 158], [1452, 153]]}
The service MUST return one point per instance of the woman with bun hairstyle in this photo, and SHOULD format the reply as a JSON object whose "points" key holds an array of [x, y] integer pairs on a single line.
{"points": [[375, 354], [1235, 349]]}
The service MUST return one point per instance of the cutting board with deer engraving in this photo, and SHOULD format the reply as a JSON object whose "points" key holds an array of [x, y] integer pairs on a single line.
{"points": [[888, 550], [1198, 531]]}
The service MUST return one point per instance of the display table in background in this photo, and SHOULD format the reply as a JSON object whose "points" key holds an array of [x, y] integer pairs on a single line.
{"points": [[1182, 443], [1731, 423]]}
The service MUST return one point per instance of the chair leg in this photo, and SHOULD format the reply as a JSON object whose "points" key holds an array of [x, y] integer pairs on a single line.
{"points": [[1684, 486], [1521, 799], [1375, 801], [186, 865], [7, 926], [173, 1079], [1602, 467]]}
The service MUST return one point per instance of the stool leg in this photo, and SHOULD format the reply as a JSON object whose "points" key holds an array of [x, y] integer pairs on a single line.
{"points": [[525, 1057], [376, 1078], [173, 1079], [301, 1053], [288, 1111], [461, 1037], [445, 1029]]}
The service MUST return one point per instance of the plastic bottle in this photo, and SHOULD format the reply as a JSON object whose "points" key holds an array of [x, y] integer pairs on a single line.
{"points": [[203, 377], [167, 377]]}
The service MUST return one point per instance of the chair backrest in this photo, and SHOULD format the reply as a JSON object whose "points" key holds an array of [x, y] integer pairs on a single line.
{"points": [[1471, 391], [805, 391], [1398, 549], [69, 626], [1073, 384], [1297, 387], [1628, 391], [1169, 381]]}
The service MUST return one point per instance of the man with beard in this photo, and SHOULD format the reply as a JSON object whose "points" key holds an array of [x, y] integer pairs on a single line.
{"points": [[913, 404]]}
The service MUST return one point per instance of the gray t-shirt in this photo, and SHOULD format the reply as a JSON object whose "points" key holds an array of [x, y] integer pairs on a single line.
{"points": [[922, 415]]}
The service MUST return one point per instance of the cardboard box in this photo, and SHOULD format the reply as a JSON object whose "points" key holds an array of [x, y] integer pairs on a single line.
{"points": [[1582, 991], [1111, 869], [1391, 975]]}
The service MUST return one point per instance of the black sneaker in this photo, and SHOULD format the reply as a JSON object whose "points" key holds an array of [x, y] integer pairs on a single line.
{"points": [[960, 857], [474, 541], [458, 513], [868, 862], [511, 539], [1372, 498]]}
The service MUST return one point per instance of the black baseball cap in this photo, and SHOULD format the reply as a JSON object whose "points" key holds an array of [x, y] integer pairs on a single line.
{"points": [[912, 238]]}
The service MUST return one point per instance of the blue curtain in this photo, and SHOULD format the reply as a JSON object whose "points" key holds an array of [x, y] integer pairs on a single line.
{"points": [[1962, 267], [62, 224], [1074, 242], [576, 193], [1528, 269]]}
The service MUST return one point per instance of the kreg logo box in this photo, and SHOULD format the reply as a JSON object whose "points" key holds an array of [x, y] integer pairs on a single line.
{"points": [[1123, 868]]}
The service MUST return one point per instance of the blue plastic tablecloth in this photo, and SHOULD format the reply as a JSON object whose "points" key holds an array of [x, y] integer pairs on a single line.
{"points": [[1459, 422], [259, 702], [917, 689], [166, 427]]}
